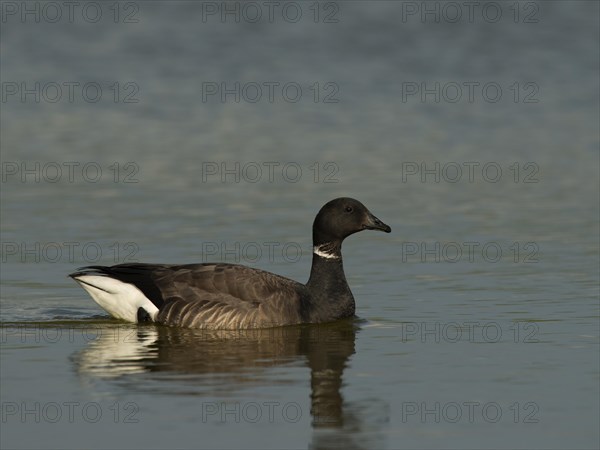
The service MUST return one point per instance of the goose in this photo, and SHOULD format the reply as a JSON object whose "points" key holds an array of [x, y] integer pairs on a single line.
{"points": [[232, 296]]}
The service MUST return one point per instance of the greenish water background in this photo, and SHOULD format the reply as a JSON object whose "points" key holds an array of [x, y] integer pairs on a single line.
{"points": [[438, 331]]}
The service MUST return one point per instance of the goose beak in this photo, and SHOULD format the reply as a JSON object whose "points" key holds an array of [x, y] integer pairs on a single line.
{"points": [[373, 223]]}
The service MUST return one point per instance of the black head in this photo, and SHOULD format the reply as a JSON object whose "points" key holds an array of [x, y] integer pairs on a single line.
{"points": [[342, 217]]}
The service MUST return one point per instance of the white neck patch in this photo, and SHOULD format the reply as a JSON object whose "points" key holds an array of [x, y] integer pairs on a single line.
{"points": [[319, 250]]}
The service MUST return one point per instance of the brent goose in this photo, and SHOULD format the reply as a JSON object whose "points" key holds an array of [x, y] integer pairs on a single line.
{"points": [[232, 296]]}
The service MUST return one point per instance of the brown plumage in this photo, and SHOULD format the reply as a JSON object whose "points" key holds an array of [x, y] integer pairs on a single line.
{"points": [[230, 296]]}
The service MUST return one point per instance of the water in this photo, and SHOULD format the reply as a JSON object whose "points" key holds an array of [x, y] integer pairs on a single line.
{"points": [[456, 345]]}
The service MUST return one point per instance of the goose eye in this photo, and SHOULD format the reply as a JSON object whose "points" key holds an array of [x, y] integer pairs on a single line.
{"points": [[349, 209]]}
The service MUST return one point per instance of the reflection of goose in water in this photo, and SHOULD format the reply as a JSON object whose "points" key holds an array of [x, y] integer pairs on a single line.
{"points": [[219, 362]]}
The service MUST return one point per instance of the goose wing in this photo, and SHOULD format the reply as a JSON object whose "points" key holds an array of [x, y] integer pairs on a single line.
{"points": [[220, 296]]}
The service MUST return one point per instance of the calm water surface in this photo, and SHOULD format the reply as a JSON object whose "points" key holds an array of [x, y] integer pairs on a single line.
{"points": [[478, 317]]}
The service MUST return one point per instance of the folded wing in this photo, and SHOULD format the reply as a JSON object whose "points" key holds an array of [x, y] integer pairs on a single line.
{"points": [[219, 296]]}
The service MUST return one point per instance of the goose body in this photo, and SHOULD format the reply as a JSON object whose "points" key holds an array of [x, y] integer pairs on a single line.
{"points": [[232, 296]]}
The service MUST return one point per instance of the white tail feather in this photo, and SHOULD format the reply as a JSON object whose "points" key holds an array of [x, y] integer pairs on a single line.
{"points": [[120, 300]]}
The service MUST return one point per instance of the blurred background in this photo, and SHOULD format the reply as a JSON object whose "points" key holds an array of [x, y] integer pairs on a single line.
{"points": [[187, 132]]}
